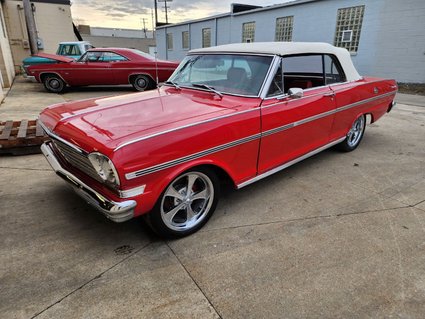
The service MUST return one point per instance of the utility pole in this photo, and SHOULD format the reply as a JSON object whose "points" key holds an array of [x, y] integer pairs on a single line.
{"points": [[156, 13], [153, 24], [144, 26], [166, 11], [166, 7], [32, 31]]}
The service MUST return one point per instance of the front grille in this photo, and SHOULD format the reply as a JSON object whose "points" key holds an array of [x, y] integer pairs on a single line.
{"points": [[77, 160]]}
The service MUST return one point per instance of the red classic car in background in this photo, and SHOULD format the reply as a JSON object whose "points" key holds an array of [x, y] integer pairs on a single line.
{"points": [[102, 66], [236, 113]]}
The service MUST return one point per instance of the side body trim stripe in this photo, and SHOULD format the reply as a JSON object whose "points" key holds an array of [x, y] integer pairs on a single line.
{"points": [[218, 148], [187, 158]]}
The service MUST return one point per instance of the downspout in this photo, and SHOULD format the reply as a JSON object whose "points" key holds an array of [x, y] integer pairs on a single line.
{"points": [[166, 44], [216, 33], [190, 36], [31, 28]]}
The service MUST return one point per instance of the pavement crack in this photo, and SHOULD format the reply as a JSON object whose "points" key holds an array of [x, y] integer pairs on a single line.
{"points": [[193, 279], [308, 218], [422, 201], [91, 280]]}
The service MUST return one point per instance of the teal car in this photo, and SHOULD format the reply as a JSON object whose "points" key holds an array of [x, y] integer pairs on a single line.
{"points": [[72, 50]]}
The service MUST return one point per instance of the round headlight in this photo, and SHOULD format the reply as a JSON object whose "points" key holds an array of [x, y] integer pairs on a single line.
{"points": [[104, 168]]}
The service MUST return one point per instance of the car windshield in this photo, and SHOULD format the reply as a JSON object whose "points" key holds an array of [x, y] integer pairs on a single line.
{"points": [[225, 73]]}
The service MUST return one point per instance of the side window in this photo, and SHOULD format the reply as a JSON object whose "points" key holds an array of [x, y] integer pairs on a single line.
{"points": [[112, 57], [303, 71], [75, 50], [276, 87], [333, 72], [94, 56], [62, 50]]}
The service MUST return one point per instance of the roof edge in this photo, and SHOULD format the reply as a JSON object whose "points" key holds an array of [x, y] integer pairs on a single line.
{"points": [[227, 14]]}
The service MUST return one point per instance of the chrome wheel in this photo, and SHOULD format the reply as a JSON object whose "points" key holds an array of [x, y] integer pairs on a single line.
{"points": [[187, 201], [354, 135], [356, 132]]}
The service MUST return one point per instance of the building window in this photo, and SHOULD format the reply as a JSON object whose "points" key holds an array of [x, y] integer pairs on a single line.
{"points": [[248, 32], [284, 28], [185, 39], [348, 27], [169, 41], [206, 37]]}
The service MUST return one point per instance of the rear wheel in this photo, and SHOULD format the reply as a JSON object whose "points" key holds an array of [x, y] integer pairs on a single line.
{"points": [[354, 135], [54, 83], [142, 82], [186, 204]]}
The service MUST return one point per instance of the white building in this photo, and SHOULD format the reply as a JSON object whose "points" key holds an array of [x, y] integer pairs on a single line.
{"points": [[386, 38]]}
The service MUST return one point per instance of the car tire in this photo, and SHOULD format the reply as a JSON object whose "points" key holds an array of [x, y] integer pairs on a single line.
{"points": [[54, 84], [179, 212], [354, 135], [142, 82]]}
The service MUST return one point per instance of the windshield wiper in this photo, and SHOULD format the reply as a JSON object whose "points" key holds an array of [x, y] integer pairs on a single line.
{"points": [[209, 88], [173, 84]]}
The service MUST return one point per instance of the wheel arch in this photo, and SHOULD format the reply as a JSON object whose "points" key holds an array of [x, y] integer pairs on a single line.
{"points": [[42, 75], [220, 170], [369, 118]]}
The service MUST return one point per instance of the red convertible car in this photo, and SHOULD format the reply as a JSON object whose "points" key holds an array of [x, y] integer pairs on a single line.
{"points": [[235, 113], [102, 66]]}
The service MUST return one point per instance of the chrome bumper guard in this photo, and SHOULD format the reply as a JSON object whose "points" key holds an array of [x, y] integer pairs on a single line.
{"points": [[116, 211]]}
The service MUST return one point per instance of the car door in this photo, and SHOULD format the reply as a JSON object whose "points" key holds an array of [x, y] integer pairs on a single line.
{"points": [[294, 126], [91, 69], [122, 67]]}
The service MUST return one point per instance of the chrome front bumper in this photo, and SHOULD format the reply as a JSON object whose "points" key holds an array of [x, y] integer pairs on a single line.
{"points": [[116, 211]]}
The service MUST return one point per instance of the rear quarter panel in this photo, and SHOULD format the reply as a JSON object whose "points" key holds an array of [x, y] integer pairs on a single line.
{"points": [[367, 96]]}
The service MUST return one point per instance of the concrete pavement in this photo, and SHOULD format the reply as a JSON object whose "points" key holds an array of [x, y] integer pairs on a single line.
{"points": [[25, 100], [339, 235]]}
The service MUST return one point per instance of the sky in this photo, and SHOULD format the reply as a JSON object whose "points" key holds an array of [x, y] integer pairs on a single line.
{"points": [[129, 14]]}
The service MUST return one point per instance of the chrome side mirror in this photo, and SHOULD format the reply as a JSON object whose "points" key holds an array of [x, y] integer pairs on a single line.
{"points": [[295, 93]]}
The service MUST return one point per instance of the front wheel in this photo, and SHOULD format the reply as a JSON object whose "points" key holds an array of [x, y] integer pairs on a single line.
{"points": [[54, 84], [354, 135], [142, 82], [186, 204]]}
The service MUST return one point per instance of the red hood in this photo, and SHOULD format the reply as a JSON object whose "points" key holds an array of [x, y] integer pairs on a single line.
{"points": [[106, 123], [59, 58]]}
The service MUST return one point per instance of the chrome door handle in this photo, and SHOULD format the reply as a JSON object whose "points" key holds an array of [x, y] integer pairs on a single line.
{"points": [[332, 94]]}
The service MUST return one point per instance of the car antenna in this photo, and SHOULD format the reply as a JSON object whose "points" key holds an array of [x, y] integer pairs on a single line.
{"points": [[156, 68]]}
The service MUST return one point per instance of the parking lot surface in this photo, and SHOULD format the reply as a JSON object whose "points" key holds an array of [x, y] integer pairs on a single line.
{"points": [[339, 235]]}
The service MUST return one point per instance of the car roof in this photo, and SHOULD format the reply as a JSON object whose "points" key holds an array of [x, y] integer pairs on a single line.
{"points": [[132, 54], [74, 42], [288, 48], [111, 49]]}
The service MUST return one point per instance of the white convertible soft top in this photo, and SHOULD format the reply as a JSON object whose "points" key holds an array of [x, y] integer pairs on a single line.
{"points": [[288, 48]]}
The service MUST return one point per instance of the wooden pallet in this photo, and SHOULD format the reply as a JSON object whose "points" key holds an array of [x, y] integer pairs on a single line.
{"points": [[21, 137]]}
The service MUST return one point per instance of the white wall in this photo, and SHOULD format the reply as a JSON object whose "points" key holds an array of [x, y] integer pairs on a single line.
{"points": [[392, 40]]}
